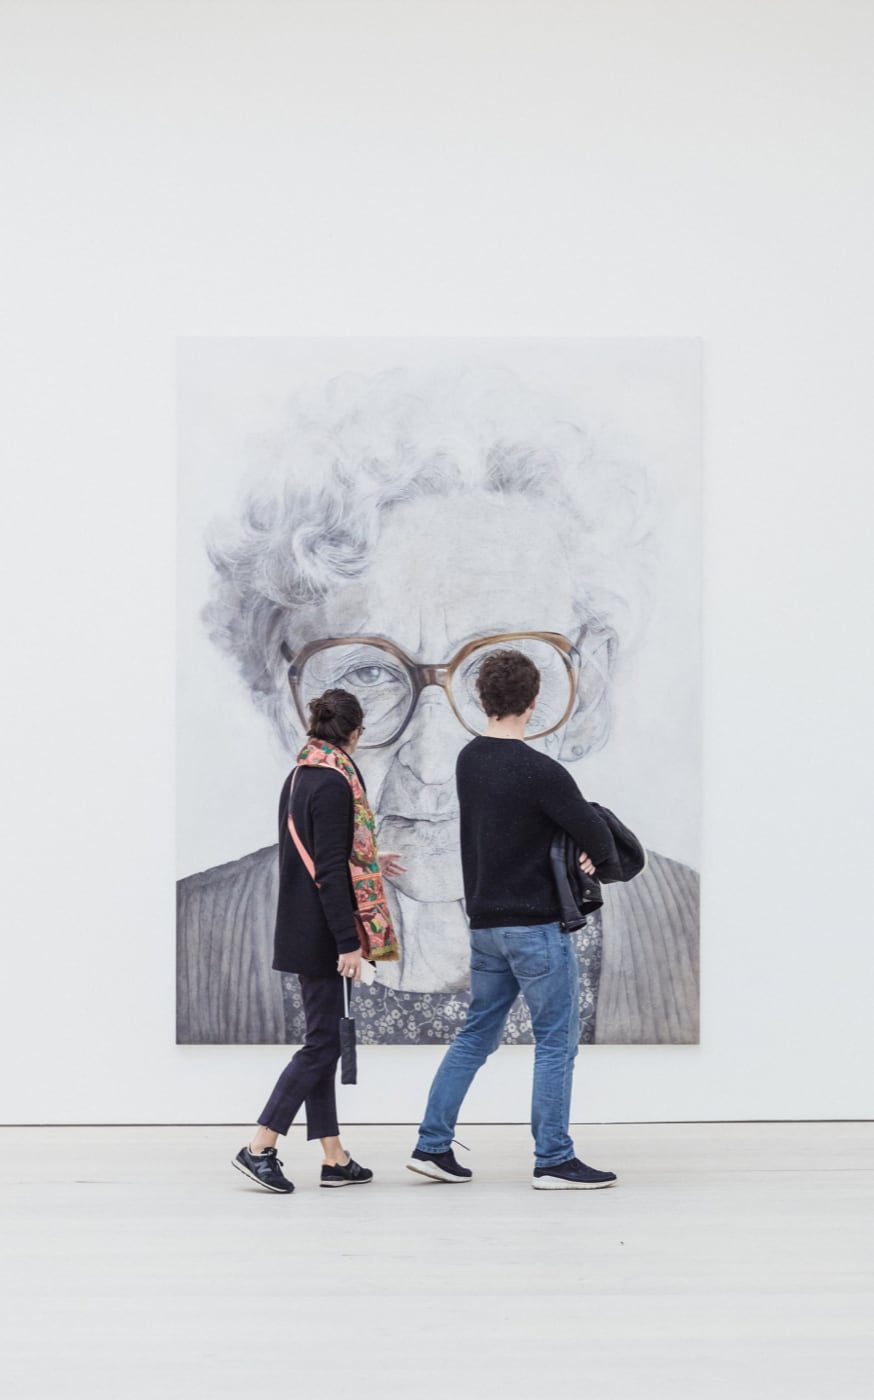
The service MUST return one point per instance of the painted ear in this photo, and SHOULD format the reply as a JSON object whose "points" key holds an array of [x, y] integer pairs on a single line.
{"points": [[589, 724]]}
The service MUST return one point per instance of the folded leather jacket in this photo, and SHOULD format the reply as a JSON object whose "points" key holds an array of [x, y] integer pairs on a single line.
{"points": [[580, 894]]}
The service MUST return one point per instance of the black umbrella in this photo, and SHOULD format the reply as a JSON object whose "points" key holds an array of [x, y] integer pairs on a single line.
{"points": [[348, 1053]]}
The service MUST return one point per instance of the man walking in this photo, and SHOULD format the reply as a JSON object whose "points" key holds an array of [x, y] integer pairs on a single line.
{"points": [[512, 799]]}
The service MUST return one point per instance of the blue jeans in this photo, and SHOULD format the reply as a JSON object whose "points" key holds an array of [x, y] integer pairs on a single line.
{"points": [[540, 962]]}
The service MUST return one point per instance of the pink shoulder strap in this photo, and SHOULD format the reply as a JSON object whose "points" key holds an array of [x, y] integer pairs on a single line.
{"points": [[292, 831]]}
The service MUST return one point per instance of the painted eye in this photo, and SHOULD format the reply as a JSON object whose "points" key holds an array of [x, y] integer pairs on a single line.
{"points": [[366, 676]]}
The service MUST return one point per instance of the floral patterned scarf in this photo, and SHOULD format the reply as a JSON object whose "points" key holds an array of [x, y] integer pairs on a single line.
{"points": [[364, 862]]}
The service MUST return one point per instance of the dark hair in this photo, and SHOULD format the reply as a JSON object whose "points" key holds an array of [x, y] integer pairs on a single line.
{"points": [[334, 716], [507, 683]]}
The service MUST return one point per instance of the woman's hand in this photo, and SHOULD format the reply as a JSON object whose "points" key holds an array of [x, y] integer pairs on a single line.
{"points": [[349, 965], [390, 864], [586, 865]]}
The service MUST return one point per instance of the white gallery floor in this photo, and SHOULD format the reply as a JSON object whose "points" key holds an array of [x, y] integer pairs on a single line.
{"points": [[731, 1261]]}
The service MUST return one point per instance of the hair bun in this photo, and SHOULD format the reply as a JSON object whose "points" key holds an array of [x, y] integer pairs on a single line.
{"points": [[322, 709], [334, 715]]}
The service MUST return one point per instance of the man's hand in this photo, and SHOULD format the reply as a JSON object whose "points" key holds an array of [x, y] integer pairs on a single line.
{"points": [[390, 864], [349, 965], [586, 865]]}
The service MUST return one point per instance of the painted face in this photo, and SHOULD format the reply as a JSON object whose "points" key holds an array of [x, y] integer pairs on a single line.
{"points": [[445, 571]]}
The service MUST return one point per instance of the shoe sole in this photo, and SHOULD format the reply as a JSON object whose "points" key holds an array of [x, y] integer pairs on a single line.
{"points": [[362, 1181], [435, 1173], [557, 1183], [275, 1190]]}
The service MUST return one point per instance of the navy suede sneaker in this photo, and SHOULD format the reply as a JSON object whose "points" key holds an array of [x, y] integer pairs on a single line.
{"points": [[349, 1175], [440, 1166], [571, 1176], [264, 1168]]}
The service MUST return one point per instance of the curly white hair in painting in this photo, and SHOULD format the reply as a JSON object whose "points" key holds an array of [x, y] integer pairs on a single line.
{"points": [[362, 446]]}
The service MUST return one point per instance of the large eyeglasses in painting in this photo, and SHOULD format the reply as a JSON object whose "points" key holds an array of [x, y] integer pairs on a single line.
{"points": [[388, 682]]}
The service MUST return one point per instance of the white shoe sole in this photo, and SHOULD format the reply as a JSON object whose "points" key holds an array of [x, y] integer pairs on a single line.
{"points": [[558, 1183], [276, 1190], [435, 1173], [366, 1182]]}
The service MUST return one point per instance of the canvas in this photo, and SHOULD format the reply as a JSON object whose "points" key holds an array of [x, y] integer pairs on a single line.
{"points": [[377, 514]]}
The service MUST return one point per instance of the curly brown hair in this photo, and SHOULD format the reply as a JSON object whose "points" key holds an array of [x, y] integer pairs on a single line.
{"points": [[507, 683]]}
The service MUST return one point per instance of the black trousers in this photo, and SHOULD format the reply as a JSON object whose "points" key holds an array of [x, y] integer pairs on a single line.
{"points": [[309, 1077]]}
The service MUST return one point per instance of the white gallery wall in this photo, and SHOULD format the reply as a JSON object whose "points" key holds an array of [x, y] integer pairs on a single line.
{"points": [[436, 168]]}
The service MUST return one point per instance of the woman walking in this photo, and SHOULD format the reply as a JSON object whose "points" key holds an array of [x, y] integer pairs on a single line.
{"points": [[330, 884]]}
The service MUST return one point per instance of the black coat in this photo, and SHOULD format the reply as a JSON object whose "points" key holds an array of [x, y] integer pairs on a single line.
{"points": [[314, 925]]}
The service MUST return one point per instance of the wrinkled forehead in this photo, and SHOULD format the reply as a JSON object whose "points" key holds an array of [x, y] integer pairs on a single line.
{"points": [[445, 569]]}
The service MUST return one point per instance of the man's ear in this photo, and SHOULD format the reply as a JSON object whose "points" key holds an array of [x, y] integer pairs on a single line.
{"points": [[589, 724]]}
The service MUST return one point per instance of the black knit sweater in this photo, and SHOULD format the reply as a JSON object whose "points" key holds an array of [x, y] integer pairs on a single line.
{"points": [[512, 798]]}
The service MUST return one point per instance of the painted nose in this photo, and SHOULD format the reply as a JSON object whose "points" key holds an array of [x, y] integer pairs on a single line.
{"points": [[433, 740]]}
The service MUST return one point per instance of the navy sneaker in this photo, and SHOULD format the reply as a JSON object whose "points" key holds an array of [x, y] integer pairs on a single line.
{"points": [[571, 1176], [349, 1175], [439, 1166], [264, 1168]]}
